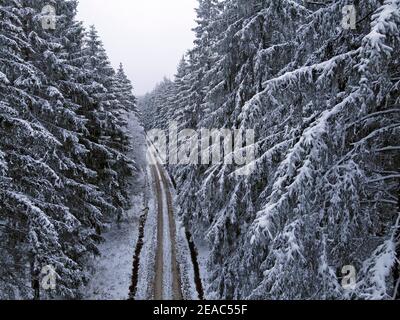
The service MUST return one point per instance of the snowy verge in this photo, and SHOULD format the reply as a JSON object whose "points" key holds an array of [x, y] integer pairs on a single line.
{"points": [[112, 270], [148, 255], [203, 254]]}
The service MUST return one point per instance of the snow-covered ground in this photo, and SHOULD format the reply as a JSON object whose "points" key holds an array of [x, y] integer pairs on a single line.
{"points": [[203, 253], [147, 257], [112, 271], [183, 253]]}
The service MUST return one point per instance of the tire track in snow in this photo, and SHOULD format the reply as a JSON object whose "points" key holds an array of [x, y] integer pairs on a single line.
{"points": [[159, 264], [176, 279], [171, 280]]}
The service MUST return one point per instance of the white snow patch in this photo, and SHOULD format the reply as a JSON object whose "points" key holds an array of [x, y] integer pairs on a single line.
{"points": [[203, 254], [148, 255], [113, 269]]}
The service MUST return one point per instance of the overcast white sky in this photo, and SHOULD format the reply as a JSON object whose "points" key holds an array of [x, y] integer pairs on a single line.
{"points": [[148, 36]]}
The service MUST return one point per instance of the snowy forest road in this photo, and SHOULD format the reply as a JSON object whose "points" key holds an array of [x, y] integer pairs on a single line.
{"points": [[167, 267], [167, 279], [159, 268]]}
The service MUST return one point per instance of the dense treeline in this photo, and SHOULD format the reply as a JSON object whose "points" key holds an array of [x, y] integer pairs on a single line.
{"points": [[324, 101], [64, 169]]}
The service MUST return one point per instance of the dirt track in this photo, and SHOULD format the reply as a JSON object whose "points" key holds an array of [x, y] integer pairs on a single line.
{"points": [[160, 179], [159, 266]]}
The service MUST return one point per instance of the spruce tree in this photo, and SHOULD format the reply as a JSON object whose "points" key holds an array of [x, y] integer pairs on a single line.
{"points": [[64, 173], [322, 100]]}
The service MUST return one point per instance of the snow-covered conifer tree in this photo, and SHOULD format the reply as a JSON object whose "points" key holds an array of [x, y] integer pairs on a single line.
{"points": [[322, 100]]}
